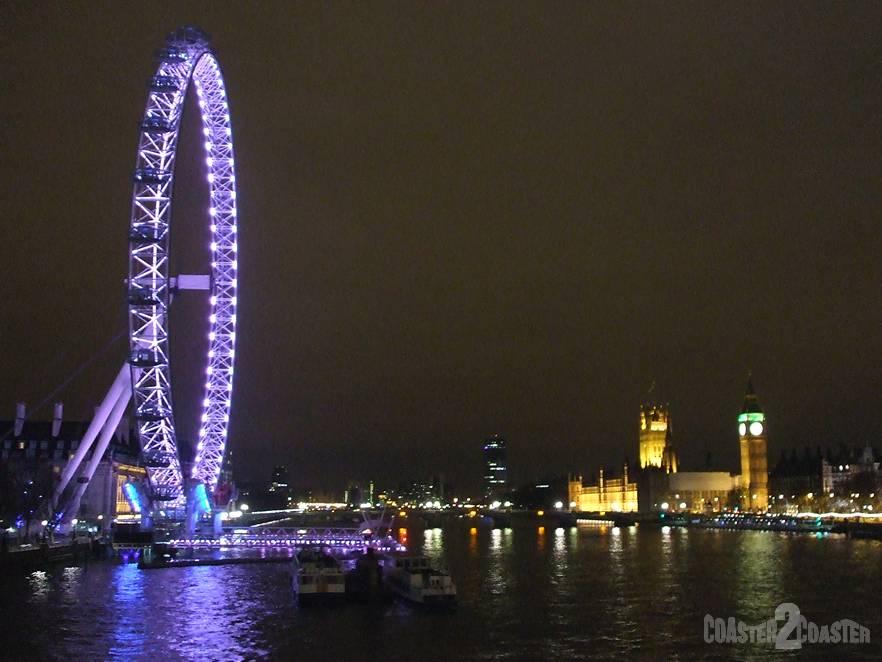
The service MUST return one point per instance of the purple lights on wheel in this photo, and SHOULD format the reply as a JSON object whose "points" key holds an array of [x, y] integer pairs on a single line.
{"points": [[187, 58]]}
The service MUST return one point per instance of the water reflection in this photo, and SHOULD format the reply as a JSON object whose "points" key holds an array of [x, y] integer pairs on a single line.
{"points": [[497, 570], [559, 570], [39, 583], [213, 614], [570, 593], [495, 540], [70, 581], [433, 542], [128, 611], [758, 568], [473, 540]]}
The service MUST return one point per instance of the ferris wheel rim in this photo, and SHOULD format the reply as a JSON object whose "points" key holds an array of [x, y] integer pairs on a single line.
{"points": [[187, 61]]}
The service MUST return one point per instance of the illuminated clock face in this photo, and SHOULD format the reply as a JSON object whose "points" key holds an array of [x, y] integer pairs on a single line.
{"points": [[742, 429], [756, 428]]}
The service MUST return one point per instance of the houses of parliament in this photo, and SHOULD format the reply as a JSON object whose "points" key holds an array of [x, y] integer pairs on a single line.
{"points": [[658, 484]]}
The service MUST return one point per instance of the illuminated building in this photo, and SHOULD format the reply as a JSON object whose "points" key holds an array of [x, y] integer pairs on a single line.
{"points": [[416, 494], [701, 491], [618, 495], [226, 489], [38, 451], [133, 475], [495, 466], [656, 449], [845, 468], [793, 477], [661, 484], [277, 494], [754, 459], [852, 477], [352, 495], [279, 480]]}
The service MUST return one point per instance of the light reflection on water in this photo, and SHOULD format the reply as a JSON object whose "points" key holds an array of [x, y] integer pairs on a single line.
{"points": [[39, 581], [129, 633], [496, 577], [525, 593]]}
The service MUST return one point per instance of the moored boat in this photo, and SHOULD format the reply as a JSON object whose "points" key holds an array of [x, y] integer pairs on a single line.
{"points": [[414, 579], [317, 577]]}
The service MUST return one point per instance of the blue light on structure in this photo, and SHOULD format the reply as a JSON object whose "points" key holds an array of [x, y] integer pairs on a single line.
{"points": [[56, 519], [202, 503], [132, 496]]}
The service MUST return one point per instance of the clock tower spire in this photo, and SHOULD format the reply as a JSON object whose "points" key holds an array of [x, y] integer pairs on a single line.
{"points": [[754, 452]]}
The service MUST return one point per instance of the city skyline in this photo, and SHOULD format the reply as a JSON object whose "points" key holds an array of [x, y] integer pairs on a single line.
{"points": [[528, 331], [521, 247], [652, 446]]}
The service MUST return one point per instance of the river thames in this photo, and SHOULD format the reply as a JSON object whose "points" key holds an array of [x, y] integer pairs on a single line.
{"points": [[585, 592]]}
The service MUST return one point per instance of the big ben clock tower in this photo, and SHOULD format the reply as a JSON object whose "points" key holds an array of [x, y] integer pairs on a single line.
{"points": [[754, 455]]}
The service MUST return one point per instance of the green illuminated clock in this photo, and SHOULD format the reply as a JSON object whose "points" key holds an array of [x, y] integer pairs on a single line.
{"points": [[751, 422]]}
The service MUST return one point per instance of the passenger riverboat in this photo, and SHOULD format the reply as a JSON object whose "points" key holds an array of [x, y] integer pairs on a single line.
{"points": [[317, 576], [414, 579]]}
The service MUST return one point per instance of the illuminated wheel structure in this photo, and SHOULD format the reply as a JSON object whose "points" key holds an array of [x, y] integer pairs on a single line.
{"points": [[187, 58]]}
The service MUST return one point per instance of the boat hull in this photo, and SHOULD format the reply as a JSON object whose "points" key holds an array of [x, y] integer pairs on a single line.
{"points": [[400, 584]]}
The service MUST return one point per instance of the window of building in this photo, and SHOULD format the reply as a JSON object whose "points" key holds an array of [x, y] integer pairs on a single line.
{"points": [[122, 504]]}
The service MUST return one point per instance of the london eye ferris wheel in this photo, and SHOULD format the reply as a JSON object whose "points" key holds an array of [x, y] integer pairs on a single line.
{"points": [[187, 61]]}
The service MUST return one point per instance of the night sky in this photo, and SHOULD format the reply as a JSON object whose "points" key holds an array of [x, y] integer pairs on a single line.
{"points": [[467, 218]]}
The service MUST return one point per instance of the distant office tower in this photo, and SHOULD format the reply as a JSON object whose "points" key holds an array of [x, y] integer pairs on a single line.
{"points": [[495, 466], [353, 495], [656, 447], [754, 453], [279, 481]]}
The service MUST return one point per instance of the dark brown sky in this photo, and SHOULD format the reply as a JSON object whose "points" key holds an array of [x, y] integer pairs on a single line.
{"points": [[463, 218]]}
